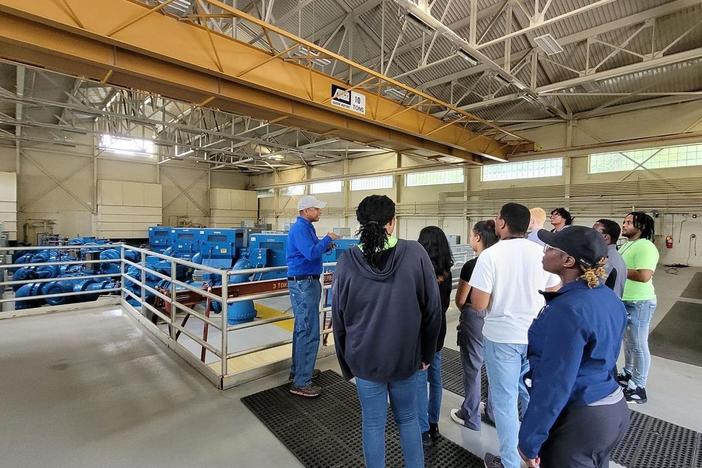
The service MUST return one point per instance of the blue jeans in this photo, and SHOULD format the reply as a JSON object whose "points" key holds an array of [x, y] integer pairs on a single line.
{"points": [[305, 296], [374, 408], [429, 407], [637, 357], [506, 365]]}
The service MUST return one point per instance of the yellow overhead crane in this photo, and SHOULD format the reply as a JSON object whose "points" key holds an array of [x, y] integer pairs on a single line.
{"points": [[128, 43]]}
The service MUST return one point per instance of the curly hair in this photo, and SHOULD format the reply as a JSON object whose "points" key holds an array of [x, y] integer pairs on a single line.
{"points": [[374, 212], [565, 214]]}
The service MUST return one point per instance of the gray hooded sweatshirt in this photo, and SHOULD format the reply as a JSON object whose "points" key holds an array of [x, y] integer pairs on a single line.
{"points": [[386, 322]]}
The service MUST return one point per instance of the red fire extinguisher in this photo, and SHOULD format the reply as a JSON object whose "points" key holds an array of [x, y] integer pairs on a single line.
{"points": [[669, 242]]}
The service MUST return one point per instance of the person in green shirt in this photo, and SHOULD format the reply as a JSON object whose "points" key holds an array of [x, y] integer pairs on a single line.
{"points": [[641, 257]]}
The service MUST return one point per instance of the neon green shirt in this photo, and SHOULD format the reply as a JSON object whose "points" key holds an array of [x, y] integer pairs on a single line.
{"points": [[640, 254], [389, 244]]}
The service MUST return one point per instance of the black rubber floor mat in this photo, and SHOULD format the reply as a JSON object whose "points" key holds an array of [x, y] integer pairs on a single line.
{"points": [[654, 443], [452, 374], [649, 443], [694, 287], [325, 432], [677, 337]]}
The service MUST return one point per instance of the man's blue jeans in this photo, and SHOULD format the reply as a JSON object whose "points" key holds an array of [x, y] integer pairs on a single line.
{"points": [[429, 404], [637, 357], [305, 296], [374, 408], [506, 365]]}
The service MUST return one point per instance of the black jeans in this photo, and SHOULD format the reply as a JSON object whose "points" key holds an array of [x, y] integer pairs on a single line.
{"points": [[585, 436]]}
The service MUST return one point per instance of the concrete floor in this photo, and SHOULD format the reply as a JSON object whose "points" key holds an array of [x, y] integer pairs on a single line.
{"points": [[91, 388]]}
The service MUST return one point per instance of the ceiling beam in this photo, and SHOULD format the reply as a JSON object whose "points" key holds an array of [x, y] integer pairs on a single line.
{"points": [[603, 75], [637, 18]]}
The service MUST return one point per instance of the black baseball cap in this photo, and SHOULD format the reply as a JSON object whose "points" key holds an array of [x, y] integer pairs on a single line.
{"points": [[584, 244]]}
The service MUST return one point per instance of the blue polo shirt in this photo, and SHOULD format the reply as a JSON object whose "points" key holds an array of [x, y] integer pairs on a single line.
{"points": [[573, 347], [304, 249]]}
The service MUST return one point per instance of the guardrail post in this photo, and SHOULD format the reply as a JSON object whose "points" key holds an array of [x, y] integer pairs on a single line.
{"points": [[174, 310], [122, 295], [143, 282], [225, 334]]}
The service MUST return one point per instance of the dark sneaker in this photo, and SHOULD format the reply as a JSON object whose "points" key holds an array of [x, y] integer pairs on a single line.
{"points": [[310, 391], [315, 374], [637, 395], [457, 416], [492, 461], [426, 439], [623, 379], [434, 432]]}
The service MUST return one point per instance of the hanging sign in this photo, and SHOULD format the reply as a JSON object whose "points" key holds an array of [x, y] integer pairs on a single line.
{"points": [[350, 100]]}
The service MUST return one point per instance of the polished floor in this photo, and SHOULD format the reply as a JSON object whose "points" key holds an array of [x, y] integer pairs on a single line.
{"points": [[91, 388]]}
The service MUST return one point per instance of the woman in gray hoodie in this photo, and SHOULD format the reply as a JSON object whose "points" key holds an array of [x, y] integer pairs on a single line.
{"points": [[386, 313]]}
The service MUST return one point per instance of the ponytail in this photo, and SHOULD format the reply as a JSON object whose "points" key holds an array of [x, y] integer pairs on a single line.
{"points": [[374, 212]]}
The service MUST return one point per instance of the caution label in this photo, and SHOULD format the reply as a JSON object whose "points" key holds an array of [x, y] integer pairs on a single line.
{"points": [[350, 100]]}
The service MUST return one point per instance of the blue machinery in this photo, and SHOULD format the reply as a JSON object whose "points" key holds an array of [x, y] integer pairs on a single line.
{"points": [[233, 249], [225, 249]]}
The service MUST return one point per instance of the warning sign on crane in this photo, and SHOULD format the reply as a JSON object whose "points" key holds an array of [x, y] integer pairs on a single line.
{"points": [[350, 100]]}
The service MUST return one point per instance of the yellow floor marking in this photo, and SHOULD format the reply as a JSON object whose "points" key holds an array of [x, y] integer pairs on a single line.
{"points": [[266, 312]]}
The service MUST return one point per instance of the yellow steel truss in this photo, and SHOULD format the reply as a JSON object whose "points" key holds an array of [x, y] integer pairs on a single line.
{"points": [[128, 43]]}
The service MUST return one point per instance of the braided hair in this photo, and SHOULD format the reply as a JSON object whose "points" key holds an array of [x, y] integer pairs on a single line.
{"points": [[643, 223], [436, 244], [593, 274], [374, 212]]}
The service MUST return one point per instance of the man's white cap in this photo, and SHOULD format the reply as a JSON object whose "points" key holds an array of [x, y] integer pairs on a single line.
{"points": [[308, 201]]}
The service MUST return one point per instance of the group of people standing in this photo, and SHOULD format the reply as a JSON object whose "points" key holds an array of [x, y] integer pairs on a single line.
{"points": [[545, 312]]}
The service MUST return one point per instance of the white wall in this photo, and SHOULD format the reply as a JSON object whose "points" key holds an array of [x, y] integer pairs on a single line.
{"points": [[8, 204]]}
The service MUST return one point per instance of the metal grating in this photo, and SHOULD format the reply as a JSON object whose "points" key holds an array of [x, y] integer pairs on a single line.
{"points": [[325, 432], [649, 443]]}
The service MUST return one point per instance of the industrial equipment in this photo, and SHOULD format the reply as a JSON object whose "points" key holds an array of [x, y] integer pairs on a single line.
{"points": [[161, 238]]}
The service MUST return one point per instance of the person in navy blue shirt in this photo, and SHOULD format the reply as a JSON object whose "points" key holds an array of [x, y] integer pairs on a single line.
{"points": [[577, 412], [304, 256]]}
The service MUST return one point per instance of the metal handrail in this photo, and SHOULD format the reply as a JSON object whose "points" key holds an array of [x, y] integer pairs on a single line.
{"points": [[47, 296], [72, 262], [63, 247], [60, 278]]}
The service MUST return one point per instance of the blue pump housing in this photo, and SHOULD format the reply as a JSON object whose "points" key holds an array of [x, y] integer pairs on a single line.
{"points": [[161, 238], [220, 248]]}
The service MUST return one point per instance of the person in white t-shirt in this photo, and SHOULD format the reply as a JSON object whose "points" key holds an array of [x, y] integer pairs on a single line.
{"points": [[506, 283]]}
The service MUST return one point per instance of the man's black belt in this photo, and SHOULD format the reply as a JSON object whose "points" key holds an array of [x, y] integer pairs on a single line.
{"points": [[303, 277]]}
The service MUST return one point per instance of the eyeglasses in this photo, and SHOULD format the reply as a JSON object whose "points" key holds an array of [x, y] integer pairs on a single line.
{"points": [[549, 247]]}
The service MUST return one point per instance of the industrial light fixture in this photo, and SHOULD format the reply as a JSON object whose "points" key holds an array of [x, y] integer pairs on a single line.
{"points": [[472, 61], [417, 21], [305, 52], [528, 97], [521, 86], [548, 44], [503, 80], [451, 159], [395, 93]]}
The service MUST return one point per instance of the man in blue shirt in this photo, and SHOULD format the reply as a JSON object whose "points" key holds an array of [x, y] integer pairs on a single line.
{"points": [[304, 253]]}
